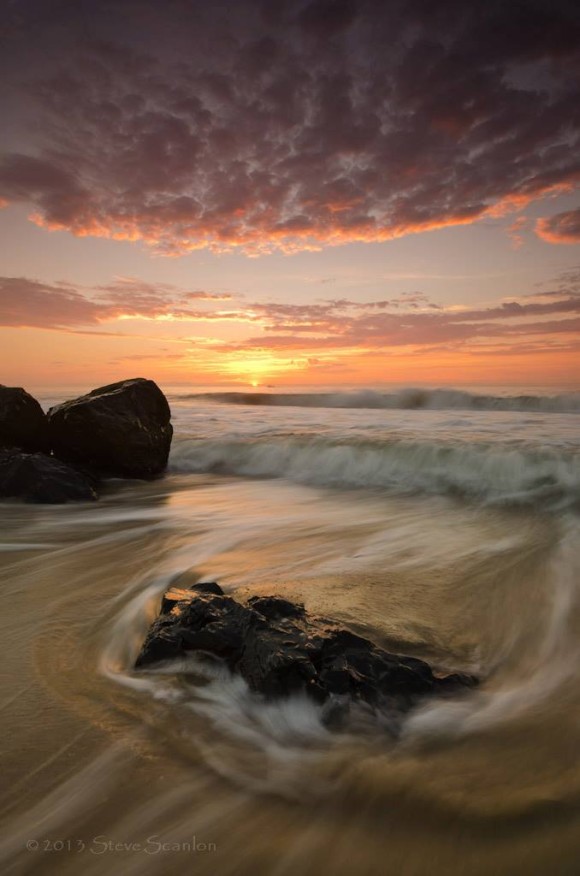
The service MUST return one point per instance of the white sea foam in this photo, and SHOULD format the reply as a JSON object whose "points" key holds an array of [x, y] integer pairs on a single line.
{"points": [[405, 399], [485, 473]]}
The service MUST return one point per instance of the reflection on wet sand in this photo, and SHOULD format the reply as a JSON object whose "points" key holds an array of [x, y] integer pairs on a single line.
{"points": [[202, 776]]}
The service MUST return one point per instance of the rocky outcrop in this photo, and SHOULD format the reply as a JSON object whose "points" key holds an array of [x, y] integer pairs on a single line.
{"points": [[23, 423], [121, 430], [35, 477], [279, 649]]}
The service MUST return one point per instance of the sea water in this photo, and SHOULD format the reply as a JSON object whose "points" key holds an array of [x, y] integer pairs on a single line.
{"points": [[441, 524]]}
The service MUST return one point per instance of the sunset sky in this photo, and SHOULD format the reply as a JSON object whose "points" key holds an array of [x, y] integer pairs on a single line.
{"points": [[290, 192]]}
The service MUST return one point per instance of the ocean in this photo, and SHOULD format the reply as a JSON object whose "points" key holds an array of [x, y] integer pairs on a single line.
{"points": [[442, 524]]}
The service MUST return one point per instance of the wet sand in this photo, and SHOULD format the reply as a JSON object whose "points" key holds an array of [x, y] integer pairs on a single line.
{"points": [[163, 773]]}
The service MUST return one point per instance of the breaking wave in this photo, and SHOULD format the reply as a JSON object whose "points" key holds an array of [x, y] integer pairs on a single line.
{"points": [[483, 473], [405, 399]]}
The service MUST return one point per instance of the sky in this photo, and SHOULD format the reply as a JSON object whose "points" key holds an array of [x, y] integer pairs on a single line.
{"points": [[290, 192]]}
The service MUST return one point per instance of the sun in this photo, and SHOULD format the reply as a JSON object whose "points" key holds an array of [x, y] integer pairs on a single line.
{"points": [[258, 367]]}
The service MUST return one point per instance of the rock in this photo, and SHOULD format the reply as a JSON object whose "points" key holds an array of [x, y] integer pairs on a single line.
{"points": [[274, 607], [189, 580], [35, 477], [177, 594], [120, 430], [279, 649], [23, 423]]}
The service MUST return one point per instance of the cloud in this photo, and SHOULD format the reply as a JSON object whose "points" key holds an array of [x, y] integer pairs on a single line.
{"points": [[342, 325], [30, 303], [410, 319], [515, 231], [561, 228], [186, 125], [273, 337]]}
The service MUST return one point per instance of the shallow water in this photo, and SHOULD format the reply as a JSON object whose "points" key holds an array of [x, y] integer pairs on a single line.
{"points": [[444, 547]]}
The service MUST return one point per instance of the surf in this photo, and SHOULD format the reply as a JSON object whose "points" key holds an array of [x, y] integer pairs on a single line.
{"points": [[488, 474]]}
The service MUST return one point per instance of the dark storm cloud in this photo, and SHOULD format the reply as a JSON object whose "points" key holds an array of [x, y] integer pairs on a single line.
{"points": [[291, 124]]}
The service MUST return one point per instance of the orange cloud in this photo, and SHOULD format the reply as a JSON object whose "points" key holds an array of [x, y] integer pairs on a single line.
{"points": [[322, 341], [26, 302], [561, 228], [290, 141]]}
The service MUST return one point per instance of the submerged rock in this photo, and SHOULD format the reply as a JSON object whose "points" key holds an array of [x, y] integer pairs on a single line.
{"points": [[120, 430], [279, 649], [35, 477], [23, 423]]}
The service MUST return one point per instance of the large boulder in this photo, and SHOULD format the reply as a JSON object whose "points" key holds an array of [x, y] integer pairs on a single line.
{"points": [[34, 477], [23, 423], [121, 430], [279, 649]]}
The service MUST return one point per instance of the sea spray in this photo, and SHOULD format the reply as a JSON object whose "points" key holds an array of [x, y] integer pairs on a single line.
{"points": [[404, 399], [485, 473]]}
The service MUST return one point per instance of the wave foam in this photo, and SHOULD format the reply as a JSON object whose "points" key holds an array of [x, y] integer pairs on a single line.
{"points": [[479, 472], [405, 399]]}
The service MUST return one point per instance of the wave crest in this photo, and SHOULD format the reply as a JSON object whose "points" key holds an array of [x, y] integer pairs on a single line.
{"points": [[479, 472], [404, 399]]}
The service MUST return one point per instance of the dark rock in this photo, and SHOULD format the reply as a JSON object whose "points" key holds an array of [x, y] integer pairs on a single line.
{"points": [[120, 430], [274, 606], [177, 593], [207, 587], [23, 423], [34, 477], [279, 649]]}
